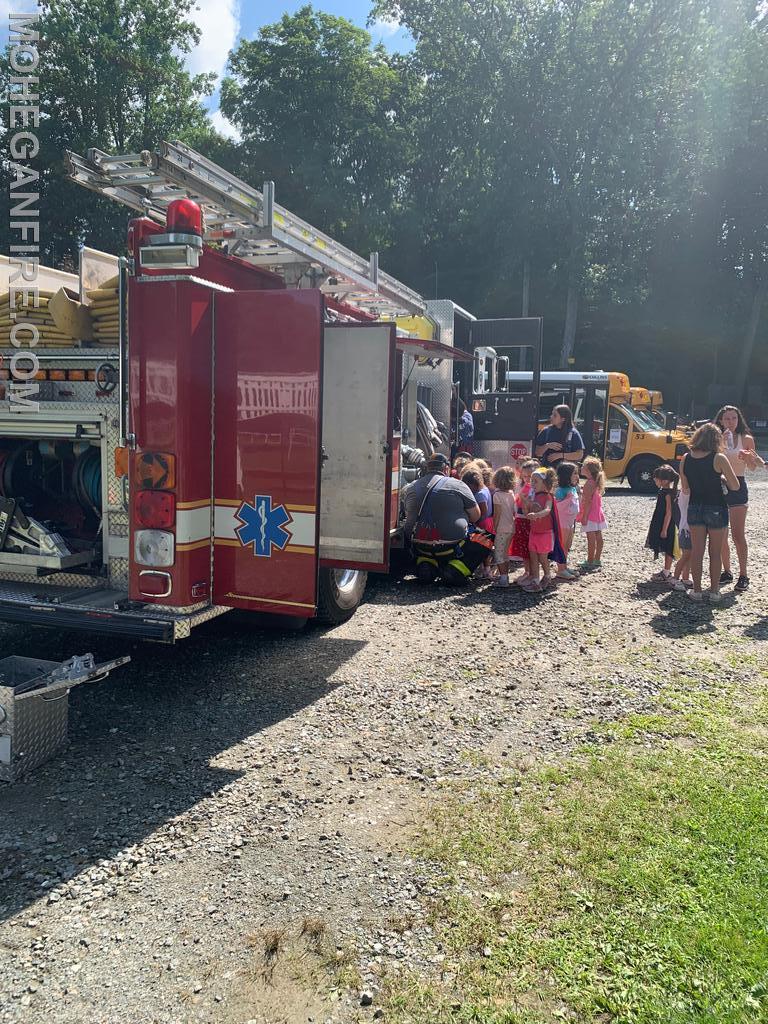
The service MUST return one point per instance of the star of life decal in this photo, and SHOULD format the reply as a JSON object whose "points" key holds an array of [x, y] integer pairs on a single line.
{"points": [[263, 525]]}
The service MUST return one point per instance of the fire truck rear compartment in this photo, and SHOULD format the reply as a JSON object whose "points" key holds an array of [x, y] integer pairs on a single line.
{"points": [[50, 504], [59, 563]]}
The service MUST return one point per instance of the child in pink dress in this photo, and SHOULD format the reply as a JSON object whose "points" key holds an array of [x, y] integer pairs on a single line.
{"points": [[541, 542], [591, 515]]}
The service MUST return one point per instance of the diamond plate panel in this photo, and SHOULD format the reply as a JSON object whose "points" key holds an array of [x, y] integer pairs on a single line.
{"points": [[33, 731]]}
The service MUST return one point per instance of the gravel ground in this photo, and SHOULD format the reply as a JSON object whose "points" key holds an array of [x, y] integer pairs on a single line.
{"points": [[229, 836]]}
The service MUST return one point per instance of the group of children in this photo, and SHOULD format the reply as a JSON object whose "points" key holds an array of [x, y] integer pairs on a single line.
{"points": [[533, 511]]}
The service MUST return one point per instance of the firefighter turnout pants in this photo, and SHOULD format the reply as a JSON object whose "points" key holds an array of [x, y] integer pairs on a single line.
{"points": [[455, 562]]}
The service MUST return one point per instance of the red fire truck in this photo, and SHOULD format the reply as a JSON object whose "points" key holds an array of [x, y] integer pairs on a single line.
{"points": [[239, 448]]}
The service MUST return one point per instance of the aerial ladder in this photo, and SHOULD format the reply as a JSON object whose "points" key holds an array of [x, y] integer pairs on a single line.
{"points": [[249, 223]]}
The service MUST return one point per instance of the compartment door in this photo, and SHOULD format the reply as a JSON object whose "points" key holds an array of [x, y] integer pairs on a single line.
{"points": [[503, 414], [358, 403], [268, 361]]}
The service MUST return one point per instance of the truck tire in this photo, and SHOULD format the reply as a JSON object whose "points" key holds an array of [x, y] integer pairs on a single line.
{"points": [[640, 474], [339, 593]]}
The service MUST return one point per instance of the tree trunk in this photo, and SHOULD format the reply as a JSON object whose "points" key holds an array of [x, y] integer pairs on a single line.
{"points": [[745, 358], [571, 319], [575, 257]]}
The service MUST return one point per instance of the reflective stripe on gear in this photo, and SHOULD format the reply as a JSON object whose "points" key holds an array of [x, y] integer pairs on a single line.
{"points": [[460, 567]]}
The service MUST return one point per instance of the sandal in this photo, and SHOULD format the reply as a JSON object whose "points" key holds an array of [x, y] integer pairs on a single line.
{"points": [[662, 576], [532, 588]]}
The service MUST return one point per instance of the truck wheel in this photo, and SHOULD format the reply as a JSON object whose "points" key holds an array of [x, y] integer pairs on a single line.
{"points": [[339, 593], [641, 472]]}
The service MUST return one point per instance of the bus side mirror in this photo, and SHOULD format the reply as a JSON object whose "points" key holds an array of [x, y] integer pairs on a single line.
{"points": [[670, 422]]}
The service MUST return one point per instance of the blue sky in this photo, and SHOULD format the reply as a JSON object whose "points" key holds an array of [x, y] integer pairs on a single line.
{"points": [[224, 22]]}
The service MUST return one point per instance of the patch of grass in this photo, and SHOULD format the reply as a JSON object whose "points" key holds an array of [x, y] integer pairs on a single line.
{"points": [[341, 967], [273, 943], [313, 929], [626, 884]]}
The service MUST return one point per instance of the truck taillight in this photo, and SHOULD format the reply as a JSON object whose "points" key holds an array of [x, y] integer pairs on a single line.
{"points": [[155, 470], [155, 510], [155, 548], [184, 216]]}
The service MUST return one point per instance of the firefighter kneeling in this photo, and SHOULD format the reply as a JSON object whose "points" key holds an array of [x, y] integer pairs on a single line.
{"points": [[440, 513]]}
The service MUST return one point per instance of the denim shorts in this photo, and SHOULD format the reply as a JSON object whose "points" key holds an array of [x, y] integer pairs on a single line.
{"points": [[714, 517], [738, 498], [684, 540]]}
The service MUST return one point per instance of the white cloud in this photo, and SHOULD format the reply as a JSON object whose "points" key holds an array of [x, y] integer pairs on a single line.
{"points": [[225, 127], [219, 24], [8, 7], [384, 27]]}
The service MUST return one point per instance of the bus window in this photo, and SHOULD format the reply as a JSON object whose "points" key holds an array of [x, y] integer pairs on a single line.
{"points": [[599, 409], [618, 430], [579, 409], [551, 398]]}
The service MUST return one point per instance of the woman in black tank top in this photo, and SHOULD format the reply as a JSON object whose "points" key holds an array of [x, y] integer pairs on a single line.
{"points": [[701, 476]]}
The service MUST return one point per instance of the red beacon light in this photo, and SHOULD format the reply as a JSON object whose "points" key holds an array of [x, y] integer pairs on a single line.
{"points": [[184, 216], [180, 246]]}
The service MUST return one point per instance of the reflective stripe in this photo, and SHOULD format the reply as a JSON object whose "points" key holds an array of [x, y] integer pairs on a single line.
{"points": [[460, 567], [193, 524]]}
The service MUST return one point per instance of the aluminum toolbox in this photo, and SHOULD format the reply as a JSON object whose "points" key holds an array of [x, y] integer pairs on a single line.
{"points": [[34, 707]]}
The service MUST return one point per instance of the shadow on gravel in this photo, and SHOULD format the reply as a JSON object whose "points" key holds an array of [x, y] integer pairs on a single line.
{"points": [[683, 618], [409, 592], [510, 601], [758, 630], [141, 741]]}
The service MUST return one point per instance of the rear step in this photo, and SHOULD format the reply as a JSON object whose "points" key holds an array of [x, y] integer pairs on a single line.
{"points": [[34, 707], [97, 610]]}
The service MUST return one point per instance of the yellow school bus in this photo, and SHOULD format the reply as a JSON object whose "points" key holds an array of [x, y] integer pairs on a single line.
{"points": [[630, 442]]}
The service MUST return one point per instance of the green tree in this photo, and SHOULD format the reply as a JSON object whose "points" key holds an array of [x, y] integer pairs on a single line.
{"points": [[112, 77], [326, 116], [740, 191], [583, 94]]}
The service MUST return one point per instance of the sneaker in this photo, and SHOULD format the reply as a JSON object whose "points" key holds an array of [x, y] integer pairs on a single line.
{"points": [[742, 584], [696, 596], [680, 586], [714, 596], [502, 581], [566, 574], [726, 577], [588, 566]]}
